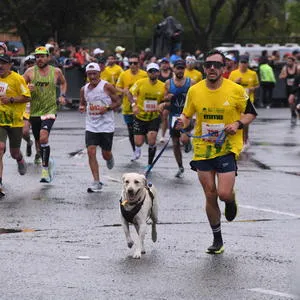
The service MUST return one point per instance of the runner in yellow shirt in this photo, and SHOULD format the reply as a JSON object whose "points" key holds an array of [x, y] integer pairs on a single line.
{"points": [[14, 94], [222, 108], [112, 71], [190, 70], [147, 94], [248, 79], [125, 82]]}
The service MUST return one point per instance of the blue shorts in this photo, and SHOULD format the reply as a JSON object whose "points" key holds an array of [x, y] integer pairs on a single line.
{"points": [[128, 119], [221, 164]]}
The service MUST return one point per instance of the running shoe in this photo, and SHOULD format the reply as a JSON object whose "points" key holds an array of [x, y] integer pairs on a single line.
{"points": [[188, 147], [180, 172], [162, 140], [136, 154], [2, 194], [96, 187], [37, 159], [216, 248], [45, 176], [29, 148], [294, 120], [22, 167], [110, 163], [231, 209]]}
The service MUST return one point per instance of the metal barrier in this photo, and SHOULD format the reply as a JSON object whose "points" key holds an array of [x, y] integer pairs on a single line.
{"points": [[75, 78]]}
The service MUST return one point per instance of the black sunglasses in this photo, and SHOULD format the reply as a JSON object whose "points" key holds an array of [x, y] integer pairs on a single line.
{"points": [[216, 64], [153, 71], [133, 62]]}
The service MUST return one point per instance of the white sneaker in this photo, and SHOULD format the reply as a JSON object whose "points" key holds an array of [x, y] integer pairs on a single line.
{"points": [[180, 172], [96, 187], [162, 140], [136, 154]]}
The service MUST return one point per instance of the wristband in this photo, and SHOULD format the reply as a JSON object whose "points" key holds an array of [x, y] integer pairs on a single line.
{"points": [[241, 125], [133, 104], [63, 95], [11, 100], [108, 108]]}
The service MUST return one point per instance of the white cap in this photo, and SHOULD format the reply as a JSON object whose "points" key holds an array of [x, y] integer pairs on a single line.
{"points": [[153, 66], [120, 49], [48, 46], [190, 57], [98, 51], [230, 57], [92, 67], [29, 57]]}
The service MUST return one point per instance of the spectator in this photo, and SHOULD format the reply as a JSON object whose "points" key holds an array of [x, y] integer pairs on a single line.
{"points": [[267, 82]]}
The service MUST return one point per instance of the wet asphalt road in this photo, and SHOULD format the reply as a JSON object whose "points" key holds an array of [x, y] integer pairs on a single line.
{"points": [[71, 245]]}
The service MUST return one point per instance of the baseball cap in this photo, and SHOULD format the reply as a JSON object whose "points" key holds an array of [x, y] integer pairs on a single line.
{"points": [[29, 58], [48, 46], [230, 57], [92, 67], [153, 66], [244, 58], [41, 50], [120, 49], [5, 58], [190, 57], [180, 63], [164, 59], [98, 51]]}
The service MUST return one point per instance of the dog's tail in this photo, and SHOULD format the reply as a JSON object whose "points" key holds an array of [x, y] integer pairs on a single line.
{"points": [[154, 214], [154, 232]]}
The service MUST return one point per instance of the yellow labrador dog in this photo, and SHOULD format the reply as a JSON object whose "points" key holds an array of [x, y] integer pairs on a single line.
{"points": [[138, 203]]}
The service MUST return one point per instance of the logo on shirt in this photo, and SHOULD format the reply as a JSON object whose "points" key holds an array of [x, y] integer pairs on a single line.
{"points": [[226, 103]]}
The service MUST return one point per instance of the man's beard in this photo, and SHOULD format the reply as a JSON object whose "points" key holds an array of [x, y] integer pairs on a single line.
{"points": [[213, 80]]}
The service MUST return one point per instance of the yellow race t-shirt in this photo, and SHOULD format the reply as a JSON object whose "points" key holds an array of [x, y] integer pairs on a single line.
{"points": [[215, 109], [194, 74], [111, 74], [148, 97], [13, 85], [126, 80], [249, 79]]}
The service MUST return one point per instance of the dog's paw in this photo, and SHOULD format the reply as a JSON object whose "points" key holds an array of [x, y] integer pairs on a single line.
{"points": [[137, 254], [130, 244]]}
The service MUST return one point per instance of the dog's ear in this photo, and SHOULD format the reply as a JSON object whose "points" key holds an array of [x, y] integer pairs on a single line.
{"points": [[123, 177], [144, 180]]}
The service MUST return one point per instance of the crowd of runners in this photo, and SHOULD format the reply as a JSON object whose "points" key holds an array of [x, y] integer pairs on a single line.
{"points": [[167, 93]]}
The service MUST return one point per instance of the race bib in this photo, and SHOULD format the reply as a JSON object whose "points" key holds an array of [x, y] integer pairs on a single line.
{"points": [[3, 88], [212, 130], [150, 105], [94, 108], [290, 81]]}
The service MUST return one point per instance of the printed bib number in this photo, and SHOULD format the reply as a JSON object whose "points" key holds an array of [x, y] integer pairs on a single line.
{"points": [[94, 109], [290, 81], [150, 105], [3, 88], [213, 129]]}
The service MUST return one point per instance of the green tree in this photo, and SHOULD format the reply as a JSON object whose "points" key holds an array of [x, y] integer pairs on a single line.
{"points": [[35, 21]]}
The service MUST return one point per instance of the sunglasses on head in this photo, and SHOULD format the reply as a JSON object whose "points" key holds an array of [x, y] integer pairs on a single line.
{"points": [[134, 63], [215, 64]]}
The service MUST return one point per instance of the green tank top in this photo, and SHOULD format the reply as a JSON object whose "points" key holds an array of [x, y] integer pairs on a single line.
{"points": [[43, 98]]}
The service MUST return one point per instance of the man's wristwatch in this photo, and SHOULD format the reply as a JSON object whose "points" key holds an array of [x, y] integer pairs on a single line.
{"points": [[63, 95], [241, 125], [108, 108]]}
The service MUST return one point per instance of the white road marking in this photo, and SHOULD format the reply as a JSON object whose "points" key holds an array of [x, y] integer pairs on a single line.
{"points": [[271, 211], [122, 140], [274, 293]]}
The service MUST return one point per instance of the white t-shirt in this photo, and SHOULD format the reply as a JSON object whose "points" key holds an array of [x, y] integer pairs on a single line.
{"points": [[96, 98]]}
